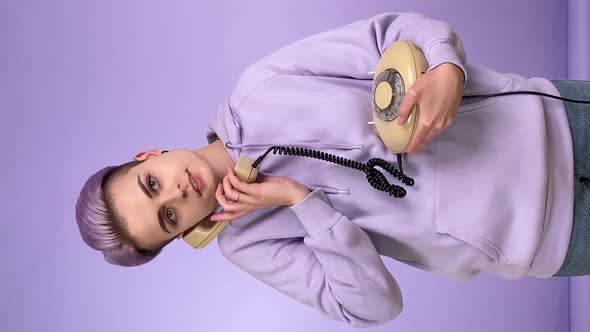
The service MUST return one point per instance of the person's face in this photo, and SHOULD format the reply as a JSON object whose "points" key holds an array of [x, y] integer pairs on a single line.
{"points": [[156, 198]]}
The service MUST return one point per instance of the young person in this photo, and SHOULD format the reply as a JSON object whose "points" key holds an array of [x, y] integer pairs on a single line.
{"points": [[494, 178]]}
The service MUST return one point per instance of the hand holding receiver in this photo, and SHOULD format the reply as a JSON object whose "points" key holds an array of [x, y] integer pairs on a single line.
{"points": [[206, 230], [245, 197]]}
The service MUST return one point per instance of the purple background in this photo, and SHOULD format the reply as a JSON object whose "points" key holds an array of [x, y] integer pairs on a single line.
{"points": [[89, 83]]}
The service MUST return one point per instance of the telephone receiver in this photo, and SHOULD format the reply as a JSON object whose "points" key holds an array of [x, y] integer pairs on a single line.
{"points": [[400, 66], [199, 235]]}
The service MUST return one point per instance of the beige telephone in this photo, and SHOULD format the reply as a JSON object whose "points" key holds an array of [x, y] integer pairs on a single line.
{"points": [[399, 67], [206, 230]]}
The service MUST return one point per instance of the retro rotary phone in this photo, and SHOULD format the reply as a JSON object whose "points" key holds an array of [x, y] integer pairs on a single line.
{"points": [[399, 67]]}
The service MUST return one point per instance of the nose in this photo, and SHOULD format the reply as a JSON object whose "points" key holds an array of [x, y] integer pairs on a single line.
{"points": [[183, 189], [174, 193]]}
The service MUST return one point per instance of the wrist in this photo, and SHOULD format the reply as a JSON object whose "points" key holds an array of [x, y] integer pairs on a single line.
{"points": [[298, 195], [455, 69]]}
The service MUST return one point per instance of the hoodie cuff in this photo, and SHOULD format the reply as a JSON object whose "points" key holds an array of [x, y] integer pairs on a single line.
{"points": [[315, 212], [444, 52]]}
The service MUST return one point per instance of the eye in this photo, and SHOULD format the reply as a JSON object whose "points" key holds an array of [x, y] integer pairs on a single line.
{"points": [[171, 216], [152, 183]]}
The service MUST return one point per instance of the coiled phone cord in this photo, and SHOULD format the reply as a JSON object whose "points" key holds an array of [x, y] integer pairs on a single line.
{"points": [[374, 176]]}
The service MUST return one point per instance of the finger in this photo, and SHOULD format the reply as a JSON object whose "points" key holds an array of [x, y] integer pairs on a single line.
{"points": [[228, 215], [239, 185], [224, 216], [223, 201], [406, 106], [431, 136], [418, 138], [229, 190]]}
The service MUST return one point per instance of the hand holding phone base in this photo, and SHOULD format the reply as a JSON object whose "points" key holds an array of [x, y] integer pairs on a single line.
{"points": [[399, 67]]}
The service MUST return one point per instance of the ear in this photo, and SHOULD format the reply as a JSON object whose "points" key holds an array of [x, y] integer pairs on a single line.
{"points": [[148, 154]]}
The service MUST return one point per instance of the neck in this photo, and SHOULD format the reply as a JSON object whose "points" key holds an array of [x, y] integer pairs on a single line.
{"points": [[216, 155]]}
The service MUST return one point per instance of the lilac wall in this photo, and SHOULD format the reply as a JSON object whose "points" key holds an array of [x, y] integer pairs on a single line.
{"points": [[89, 83]]}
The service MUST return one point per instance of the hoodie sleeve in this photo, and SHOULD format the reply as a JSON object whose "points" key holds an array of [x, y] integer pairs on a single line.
{"points": [[335, 268], [352, 51]]}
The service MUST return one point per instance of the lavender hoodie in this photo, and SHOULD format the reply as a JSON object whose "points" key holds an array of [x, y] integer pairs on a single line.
{"points": [[493, 192]]}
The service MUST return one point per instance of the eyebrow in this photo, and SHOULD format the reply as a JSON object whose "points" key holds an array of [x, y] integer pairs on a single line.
{"points": [[149, 195]]}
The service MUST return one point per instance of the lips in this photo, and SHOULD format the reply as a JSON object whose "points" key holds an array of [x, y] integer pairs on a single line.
{"points": [[195, 183]]}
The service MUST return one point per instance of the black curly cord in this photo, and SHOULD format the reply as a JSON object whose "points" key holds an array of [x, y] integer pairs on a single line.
{"points": [[374, 176]]}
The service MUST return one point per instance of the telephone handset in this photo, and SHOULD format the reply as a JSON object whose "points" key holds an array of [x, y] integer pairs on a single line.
{"points": [[206, 230]]}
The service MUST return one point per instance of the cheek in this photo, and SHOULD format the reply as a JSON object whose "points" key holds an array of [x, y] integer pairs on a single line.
{"points": [[200, 211], [192, 215]]}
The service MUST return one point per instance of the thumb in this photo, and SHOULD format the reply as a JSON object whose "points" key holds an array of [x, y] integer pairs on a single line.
{"points": [[406, 107]]}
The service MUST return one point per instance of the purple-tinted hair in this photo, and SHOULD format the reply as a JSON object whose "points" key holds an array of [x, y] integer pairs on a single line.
{"points": [[101, 227]]}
